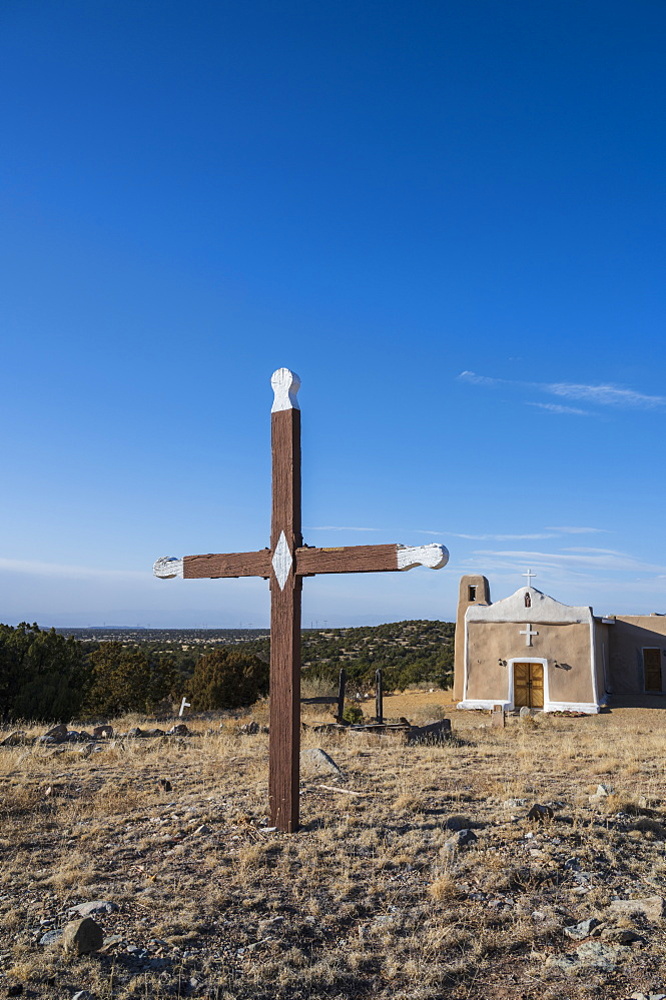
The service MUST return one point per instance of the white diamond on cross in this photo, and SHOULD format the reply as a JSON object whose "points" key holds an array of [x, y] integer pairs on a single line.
{"points": [[529, 576], [528, 633]]}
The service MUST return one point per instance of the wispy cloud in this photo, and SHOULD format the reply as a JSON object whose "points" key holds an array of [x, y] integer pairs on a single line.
{"points": [[558, 408], [574, 530], [601, 395], [36, 568], [500, 538], [597, 559]]}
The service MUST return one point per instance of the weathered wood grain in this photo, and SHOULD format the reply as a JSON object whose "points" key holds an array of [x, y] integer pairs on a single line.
{"points": [[347, 559], [285, 669], [229, 564]]}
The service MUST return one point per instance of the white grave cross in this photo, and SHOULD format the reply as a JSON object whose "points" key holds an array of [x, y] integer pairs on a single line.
{"points": [[528, 633]]}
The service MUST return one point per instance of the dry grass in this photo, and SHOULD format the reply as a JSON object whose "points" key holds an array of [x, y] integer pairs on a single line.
{"points": [[367, 900]]}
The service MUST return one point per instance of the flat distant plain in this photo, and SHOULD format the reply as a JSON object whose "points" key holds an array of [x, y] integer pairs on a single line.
{"points": [[367, 900]]}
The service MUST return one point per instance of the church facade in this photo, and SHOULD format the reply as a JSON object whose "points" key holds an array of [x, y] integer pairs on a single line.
{"points": [[531, 650]]}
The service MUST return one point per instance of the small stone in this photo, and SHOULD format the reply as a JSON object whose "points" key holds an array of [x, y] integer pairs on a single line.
{"points": [[81, 937], [94, 906], [14, 739], [462, 838], [51, 937], [249, 729], [651, 907], [321, 759], [57, 733], [539, 813], [202, 830], [100, 732], [514, 803], [525, 712], [179, 730], [83, 995], [112, 939], [601, 956], [603, 790], [620, 935], [136, 733], [581, 930], [165, 784]]}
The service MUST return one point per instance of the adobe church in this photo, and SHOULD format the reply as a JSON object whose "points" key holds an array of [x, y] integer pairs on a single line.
{"points": [[530, 650]]}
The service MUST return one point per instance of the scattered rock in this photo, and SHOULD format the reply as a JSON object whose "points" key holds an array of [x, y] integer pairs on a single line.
{"points": [[15, 739], [136, 733], [83, 995], [165, 784], [583, 929], [650, 907], [202, 830], [51, 937], [539, 813], [457, 823], [156, 732], [321, 759], [95, 906], [620, 935], [57, 733], [590, 953], [179, 730], [514, 803], [462, 838], [249, 729], [100, 732], [81, 937]]}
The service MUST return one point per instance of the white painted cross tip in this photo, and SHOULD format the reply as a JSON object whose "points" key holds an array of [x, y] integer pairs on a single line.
{"points": [[285, 385], [168, 567], [433, 556]]}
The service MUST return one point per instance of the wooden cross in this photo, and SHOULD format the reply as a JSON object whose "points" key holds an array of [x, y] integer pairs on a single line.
{"points": [[285, 564], [528, 633]]}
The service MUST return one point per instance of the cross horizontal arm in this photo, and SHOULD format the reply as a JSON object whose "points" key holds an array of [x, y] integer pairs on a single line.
{"points": [[369, 558], [216, 566]]}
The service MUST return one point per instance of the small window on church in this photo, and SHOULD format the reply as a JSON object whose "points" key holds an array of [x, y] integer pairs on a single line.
{"points": [[528, 601], [471, 596]]}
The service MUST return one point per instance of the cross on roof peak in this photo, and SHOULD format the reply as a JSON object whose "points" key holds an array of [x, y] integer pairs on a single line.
{"points": [[530, 575]]}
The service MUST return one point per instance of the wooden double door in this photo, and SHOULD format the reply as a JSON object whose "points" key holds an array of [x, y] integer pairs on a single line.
{"points": [[652, 670], [528, 685]]}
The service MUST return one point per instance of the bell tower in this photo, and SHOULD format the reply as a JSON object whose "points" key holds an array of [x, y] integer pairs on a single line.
{"points": [[474, 589]]}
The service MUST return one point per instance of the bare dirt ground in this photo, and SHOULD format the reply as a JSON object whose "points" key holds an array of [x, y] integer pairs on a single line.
{"points": [[370, 899]]}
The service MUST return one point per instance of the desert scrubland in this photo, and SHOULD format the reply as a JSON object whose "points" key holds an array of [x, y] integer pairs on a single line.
{"points": [[377, 896]]}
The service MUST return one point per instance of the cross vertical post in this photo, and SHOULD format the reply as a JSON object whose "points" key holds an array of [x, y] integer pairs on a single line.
{"points": [[286, 588]]}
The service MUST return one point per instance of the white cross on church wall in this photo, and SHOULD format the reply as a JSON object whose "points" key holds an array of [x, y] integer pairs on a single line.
{"points": [[528, 632]]}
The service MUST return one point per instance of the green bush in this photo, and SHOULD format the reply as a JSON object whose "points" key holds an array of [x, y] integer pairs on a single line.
{"points": [[227, 678], [42, 674], [128, 679]]}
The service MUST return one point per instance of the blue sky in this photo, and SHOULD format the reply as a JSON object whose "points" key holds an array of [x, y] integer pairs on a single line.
{"points": [[447, 218]]}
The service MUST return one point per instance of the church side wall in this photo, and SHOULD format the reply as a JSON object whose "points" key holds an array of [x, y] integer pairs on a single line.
{"points": [[567, 645], [628, 637]]}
